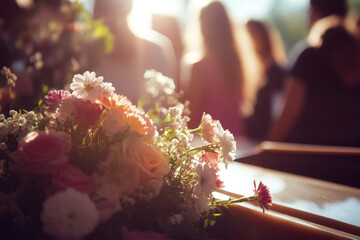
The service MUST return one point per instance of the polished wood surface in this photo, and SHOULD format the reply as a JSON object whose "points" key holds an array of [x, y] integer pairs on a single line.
{"points": [[306, 148], [329, 205], [330, 163], [245, 223]]}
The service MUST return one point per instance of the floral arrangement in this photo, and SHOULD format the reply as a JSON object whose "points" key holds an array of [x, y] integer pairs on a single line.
{"points": [[91, 165]]}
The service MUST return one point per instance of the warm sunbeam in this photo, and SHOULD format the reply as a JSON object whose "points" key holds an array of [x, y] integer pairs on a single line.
{"points": [[140, 16]]}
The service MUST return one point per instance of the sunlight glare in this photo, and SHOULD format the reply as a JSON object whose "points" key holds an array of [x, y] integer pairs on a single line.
{"points": [[140, 16]]}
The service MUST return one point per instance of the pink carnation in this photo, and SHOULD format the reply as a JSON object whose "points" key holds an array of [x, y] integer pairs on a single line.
{"points": [[263, 195], [210, 128], [87, 113], [54, 98], [134, 235], [42, 152], [151, 128], [211, 158], [72, 177]]}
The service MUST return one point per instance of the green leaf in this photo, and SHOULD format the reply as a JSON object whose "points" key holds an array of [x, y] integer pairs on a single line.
{"points": [[206, 223], [44, 88]]}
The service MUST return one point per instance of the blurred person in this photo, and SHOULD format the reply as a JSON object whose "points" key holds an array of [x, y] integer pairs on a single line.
{"points": [[318, 9], [270, 56], [216, 79], [323, 98], [132, 54], [170, 27]]}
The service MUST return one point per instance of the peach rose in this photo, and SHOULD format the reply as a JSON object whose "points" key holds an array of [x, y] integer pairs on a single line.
{"points": [[73, 177], [42, 152], [119, 171], [151, 161]]}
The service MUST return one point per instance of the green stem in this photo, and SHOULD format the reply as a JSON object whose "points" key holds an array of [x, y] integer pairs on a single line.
{"points": [[196, 130], [203, 147], [239, 200]]}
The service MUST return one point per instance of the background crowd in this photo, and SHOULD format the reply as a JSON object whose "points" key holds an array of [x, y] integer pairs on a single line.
{"points": [[241, 73]]}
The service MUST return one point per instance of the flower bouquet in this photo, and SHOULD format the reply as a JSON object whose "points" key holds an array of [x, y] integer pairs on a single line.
{"points": [[91, 165]]}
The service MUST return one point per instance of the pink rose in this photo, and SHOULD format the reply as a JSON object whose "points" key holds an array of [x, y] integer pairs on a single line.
{"points": [[73, 177], [134, 235], [42, 152], [87, 113], [151, 161]]}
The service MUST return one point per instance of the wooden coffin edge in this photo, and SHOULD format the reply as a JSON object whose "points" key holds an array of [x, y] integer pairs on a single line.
{"points": [[299, 221]]}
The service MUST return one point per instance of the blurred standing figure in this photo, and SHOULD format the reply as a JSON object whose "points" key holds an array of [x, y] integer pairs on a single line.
{"points": [[318, 9], [169, 26], [216, 79], [323, 98], [270, 55], [132, 55]]}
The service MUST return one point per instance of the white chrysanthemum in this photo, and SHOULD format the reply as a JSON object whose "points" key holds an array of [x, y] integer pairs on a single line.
{"points": [[86, 86], [200, 205], [228, 146], [107, 89], [114, 122], [67, 108], [205, 180], [69, 215]]}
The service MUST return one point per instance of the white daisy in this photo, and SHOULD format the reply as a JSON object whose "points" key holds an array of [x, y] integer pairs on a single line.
{"points": [[107, 89], [205, 180], [86, 86], [69, 215], [228, 146]]}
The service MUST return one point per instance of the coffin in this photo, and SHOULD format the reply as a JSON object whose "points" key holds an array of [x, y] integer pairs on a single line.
{"points": [[244, 222], [303, 207]]}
